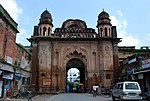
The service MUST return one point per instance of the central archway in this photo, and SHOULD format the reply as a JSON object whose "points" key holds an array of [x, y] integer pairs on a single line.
{"points": [[78, 64]]}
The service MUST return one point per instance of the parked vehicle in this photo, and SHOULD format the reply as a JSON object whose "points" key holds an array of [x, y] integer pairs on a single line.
{"points": [[127, 90], [147, 96], [22, 94]]}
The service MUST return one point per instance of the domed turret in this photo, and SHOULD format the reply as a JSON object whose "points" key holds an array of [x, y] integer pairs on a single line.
{"points": [[103, 18], [46, 18], [104, 25], [45, 24], [103, 15]]}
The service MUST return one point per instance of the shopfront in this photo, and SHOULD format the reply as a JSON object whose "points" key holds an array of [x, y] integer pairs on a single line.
{"points": [[144, 74], [6, 79], [1, 83]]}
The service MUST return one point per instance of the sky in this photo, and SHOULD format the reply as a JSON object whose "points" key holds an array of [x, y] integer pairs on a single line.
{"points": [[131, 17]]}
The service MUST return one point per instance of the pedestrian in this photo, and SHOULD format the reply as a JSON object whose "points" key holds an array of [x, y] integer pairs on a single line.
{"points": [[110, 90], [94, 90], [67, 88], [99, 90]]}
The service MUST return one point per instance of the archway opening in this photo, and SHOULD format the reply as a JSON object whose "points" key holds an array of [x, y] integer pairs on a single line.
{"points": [[75, 73]]}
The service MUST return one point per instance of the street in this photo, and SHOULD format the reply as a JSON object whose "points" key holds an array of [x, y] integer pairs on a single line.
{"points": [[72, 97], [65, 97]]}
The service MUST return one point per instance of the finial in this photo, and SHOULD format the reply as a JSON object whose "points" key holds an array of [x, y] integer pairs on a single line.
{"points": [[103, 9]]}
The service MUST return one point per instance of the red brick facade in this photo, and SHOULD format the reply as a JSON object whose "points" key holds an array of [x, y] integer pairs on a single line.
{"points": [[15, 60]]}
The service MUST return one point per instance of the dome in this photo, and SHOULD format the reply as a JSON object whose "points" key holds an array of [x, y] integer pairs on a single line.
{"points": [[46, 14], [74, 23], [103, 18], [103, 15], [46, 18]]}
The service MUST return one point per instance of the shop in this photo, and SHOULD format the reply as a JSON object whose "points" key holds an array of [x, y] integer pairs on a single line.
{"points": [[1, 83], [6, 79]]}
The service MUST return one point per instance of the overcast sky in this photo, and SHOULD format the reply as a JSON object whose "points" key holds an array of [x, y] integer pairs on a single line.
{"points": [[132, 17]]}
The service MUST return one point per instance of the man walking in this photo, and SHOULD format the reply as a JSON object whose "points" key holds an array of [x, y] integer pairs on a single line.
{"points": [[94, 90]]}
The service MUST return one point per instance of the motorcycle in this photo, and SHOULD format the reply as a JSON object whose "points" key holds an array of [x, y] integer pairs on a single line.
{"points": [[147, 96], [22, 94]]}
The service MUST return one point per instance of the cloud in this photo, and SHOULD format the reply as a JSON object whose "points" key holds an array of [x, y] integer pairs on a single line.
{"points": [[12, 8], [120, 13], [121, 23], [21, 37]]}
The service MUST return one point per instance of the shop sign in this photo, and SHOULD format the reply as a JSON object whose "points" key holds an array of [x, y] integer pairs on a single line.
{"points": [[18, 77], [9, 59], [6, 67], [1, 72], [8, 76], [140, 76], [131, 61], [137, 68], [146, 64], [130, 71]]}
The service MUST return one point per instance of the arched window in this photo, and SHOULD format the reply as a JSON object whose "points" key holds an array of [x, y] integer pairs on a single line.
{"points": [[44, 31], [48, 31], [101, 31], [40, 30], [105, 31], [94, 59], [109, 32]]}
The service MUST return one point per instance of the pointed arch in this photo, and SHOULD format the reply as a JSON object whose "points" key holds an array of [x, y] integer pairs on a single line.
{"points": [[48, 31], [44, 31], [110, 32], [40, 31], [106, 32]]}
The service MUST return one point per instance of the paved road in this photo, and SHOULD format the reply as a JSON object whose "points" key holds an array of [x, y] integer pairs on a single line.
{"points": [[76, 97], [65, 97]]}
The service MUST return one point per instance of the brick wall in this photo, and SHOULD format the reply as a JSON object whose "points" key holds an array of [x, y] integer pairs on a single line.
{"points": [[11, 44], [2, 30]]}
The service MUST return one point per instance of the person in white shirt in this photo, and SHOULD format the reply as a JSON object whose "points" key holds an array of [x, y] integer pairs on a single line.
{"points": [[94, 90]]}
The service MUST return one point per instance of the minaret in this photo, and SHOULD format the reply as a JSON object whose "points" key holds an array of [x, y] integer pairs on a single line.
{"points": [[45, 24], [104, 25]]}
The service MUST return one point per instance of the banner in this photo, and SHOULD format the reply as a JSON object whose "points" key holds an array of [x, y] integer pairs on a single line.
{"points": [[146, 64]]}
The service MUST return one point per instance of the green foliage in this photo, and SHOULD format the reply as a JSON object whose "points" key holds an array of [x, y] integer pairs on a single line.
{"points": [[69, 83], [78, 77]]}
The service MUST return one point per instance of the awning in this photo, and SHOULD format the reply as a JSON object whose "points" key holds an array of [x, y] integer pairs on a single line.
{"points": [[143, 71]]}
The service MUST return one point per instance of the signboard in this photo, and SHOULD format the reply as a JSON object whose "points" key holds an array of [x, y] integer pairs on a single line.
{"points": [[130, 71], [140, 76], [131, 61], [146, 64], [46, 82], [9, 59], [6, 67], [7, 75]]}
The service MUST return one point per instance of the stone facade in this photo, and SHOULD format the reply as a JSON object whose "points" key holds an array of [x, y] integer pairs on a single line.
{"points": [[73, 45]]}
